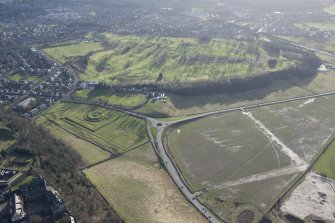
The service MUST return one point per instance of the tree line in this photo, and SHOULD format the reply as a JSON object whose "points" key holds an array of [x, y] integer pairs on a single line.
{"points": [[60, 166]]}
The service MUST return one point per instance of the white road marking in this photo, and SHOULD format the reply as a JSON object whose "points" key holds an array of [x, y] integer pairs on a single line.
{"points": [[262, 176], [272, 138]]}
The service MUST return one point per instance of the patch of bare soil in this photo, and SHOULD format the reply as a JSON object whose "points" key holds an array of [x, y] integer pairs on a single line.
{"points": [[245, 217]]}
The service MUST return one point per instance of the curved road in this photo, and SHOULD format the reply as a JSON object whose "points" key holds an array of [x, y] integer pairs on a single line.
{"points": [[166, 158], [172, 169]]}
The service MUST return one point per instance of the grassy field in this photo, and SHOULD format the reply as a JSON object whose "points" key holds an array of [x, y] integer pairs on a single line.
{"points": [[142, 59], [177, 105], [126, 100], [325, 165], [112, 130], [62, 53], [19, 77], [307, 41], [142, 192], [143, 153], [136, 59], [89, 152], [316, 26], [7, 137], [330, 10], [158, 109], [252, 157]]}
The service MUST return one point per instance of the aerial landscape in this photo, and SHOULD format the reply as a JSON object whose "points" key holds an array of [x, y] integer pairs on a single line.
{"points": [[176, 111]]}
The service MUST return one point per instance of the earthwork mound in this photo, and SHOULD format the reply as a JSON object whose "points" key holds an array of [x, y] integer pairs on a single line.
{"points": [[245, 217], [95, 116]]}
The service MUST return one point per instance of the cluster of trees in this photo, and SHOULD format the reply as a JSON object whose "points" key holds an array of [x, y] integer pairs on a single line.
{"points": [[60, 166]]}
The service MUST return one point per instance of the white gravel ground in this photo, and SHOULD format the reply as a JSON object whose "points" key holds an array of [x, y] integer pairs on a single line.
{"points": [[313, 196]]}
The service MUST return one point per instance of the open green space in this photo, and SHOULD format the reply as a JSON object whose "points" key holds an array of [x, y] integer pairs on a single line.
{"points": [[143, 153], [7, 137], [252, 157], [114, 131], [26, 180], [142, 192], [125, 100], [135, 59], [62, 53], [89, 152], [330, 10], [325, 165], [142, 59], [177, 105], [327, 45], [316, 26], [19, 77]]}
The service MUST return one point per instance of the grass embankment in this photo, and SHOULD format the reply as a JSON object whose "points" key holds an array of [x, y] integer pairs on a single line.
{"points": [[125, 100], [325, 164], [114, 131]]}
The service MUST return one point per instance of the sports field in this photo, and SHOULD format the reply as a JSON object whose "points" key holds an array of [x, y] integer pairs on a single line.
{"points": [[134, 59], [142, 192], [252, 156], [109, 129]]}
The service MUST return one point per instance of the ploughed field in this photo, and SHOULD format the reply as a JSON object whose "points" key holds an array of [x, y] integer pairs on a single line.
{"points": [[251, 157], [111, 130], [136, 59]]}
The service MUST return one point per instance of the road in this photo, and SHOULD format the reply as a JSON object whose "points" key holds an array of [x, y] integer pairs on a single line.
{"points": [[169, 163], [165, 156], [304, 47], [253, 106], [172, 170]]}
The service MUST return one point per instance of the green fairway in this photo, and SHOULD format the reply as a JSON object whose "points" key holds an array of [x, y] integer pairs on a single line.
{"points": [[112, 130], [326, 164], [142, 59], [135, 59], [62, 53], [125, 100]]}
